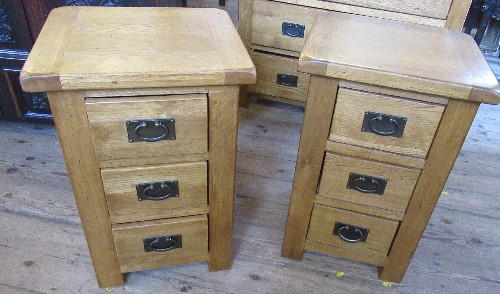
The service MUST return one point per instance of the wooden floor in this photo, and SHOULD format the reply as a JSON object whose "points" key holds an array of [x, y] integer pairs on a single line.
{"points": [[42, 248]]}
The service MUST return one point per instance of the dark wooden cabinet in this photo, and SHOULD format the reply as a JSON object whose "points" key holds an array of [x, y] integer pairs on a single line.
{"points": [[20, 24]]}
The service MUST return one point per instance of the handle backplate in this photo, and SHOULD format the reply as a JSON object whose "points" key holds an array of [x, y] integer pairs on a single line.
{"points": [[162, 243], [384, 124], [366, 184], [293, 30], [350, 233], [151, 130], [157, 190], [287, 80]]}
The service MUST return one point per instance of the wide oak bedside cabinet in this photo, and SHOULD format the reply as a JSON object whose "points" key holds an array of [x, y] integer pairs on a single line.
{"points": [[145, 104], [388, 108]]}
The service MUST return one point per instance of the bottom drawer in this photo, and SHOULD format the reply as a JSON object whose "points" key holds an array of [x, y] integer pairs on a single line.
{"points": [[159, 243], [350, 235], [277, 76]]}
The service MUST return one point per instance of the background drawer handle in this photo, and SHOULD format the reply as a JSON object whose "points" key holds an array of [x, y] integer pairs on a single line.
{"points": [[287, 80], [293, 30], [350, 233], [153, 130], [366, 184], [384, 124], [157, 190], [162, 243]]}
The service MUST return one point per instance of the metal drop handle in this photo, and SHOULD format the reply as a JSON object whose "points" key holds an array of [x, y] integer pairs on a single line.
{"points": [[168, 192], [293, 30], [157, 124], [363, 190], [163, 244], [351, 235], [379, 118], [158, 190]]}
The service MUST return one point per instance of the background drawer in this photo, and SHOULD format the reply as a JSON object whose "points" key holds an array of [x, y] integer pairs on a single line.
{"points": [[130, 248], [269, 67], [268, 28], [422, 120], [108, 118], [342, 176], [122, 195], [373, 250], [434, 9]]}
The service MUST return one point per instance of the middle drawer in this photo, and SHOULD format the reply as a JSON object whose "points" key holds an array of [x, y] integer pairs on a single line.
{"points": [[147, 193], [367, 182]]}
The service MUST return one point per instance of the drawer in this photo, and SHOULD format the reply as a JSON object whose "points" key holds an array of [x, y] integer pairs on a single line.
{"points": [[367, 182], [159, 243], [350, 235], [146, 193], [385, 123], [435, 9], [140, 127], [281, 25], [278, 76]]}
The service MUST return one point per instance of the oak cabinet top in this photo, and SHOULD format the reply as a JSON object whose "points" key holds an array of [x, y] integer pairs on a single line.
{"points": [[399, 55], [110, 48]]}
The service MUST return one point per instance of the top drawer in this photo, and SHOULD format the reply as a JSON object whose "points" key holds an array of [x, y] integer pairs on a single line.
{"points": [[281, 25], [149, 126], [384, 122]]}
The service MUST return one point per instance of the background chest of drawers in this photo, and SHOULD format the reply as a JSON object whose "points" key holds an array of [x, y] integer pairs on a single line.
{"points": [[275, 31], [382, 130], [147, 120]]}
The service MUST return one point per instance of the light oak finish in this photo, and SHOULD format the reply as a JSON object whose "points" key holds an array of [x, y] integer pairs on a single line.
{"points": [[223, 128], [267, 20], [449, 139], [108, 117], [398, 57], [269, 68], [144, 64], [260, 25], [397, 192], [439, 142], [375, 155], [130, 246], [198, 47], [378, 241], [73, 131], [422, 122], [124, 205], [317, 117]]}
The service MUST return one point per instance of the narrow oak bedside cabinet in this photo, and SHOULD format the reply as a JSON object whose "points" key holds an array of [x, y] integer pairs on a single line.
{"points": [[145, 103], [388, 108]]}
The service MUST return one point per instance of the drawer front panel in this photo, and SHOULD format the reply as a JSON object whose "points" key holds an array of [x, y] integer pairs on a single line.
{"points": [[149, 126], [367, 182], [281, 25], [278, 76], [385, 123], [154, 244], [434, 9], [360, 234], [146, 193]]}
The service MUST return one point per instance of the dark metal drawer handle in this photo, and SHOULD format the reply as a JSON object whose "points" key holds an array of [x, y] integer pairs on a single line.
{"points": [[383, 124], [162, 243], [366, 184], [150, 130], [350, 233], [157, 190], [287, 80], [293, 30]]}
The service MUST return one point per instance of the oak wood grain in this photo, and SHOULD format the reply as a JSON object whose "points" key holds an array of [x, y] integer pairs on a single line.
{"points": [[130, 246], [401, 55], [317, 118], [106, 48], [223, 128], [73, 130], [122, 198]]}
